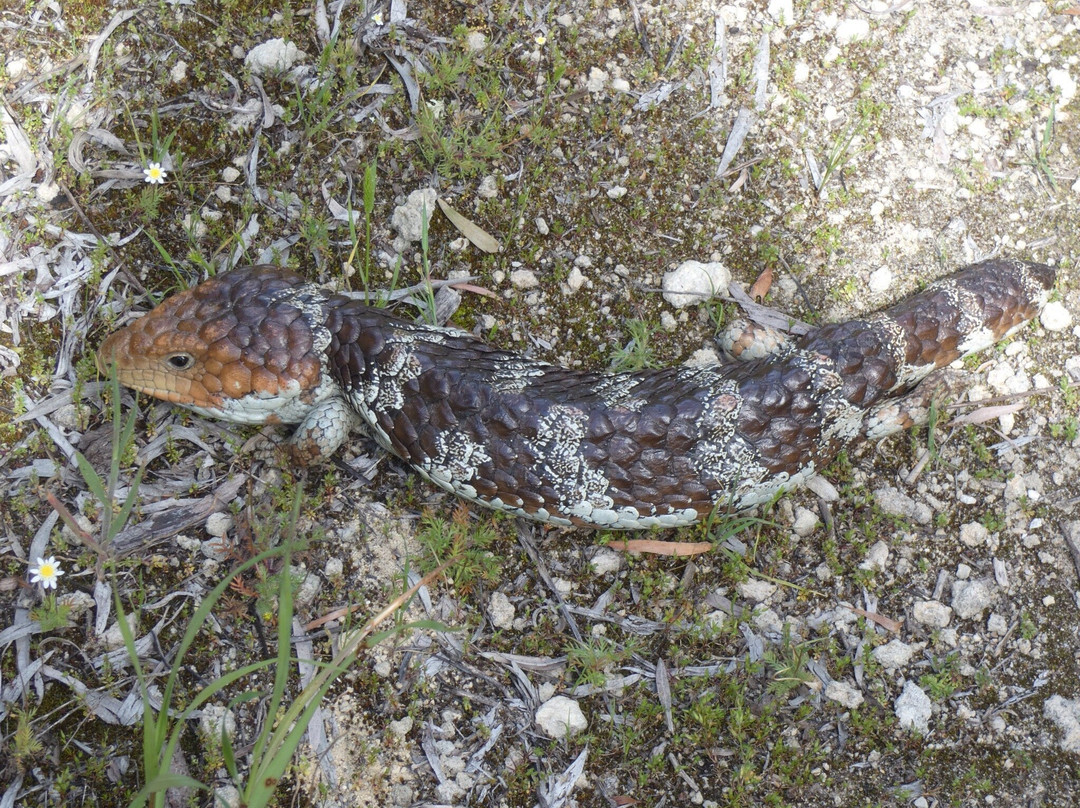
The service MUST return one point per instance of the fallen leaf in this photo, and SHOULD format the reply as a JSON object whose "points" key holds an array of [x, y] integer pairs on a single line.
{"points": [[479, 237], [886, 623], [668, 548], [984, 414], [762, 285], [476, 290]]}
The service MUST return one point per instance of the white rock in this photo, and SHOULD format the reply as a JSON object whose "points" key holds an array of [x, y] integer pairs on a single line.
{"points": [[219, 524], [408, 219], [542, 226], [215, 549], [213, 718], [334, 568], [844, 693], [702, 357], [876, 557], [606, 561], [997, 624], [310, 585], [973, 534], [783, 11], [575, 280], [913, 708], [560, 717], [448, 792], [1055, 317], [273, 56], [932, 613], [616, 192], [1065, 84], [48, 191], [178, 72], [501, 610], [399, 729], [881, 279], [805, 521], [894, 654], [620, 85], [596, 81], [851, 31], [475, 41], [694, 282], [801, 73], [524, 279], [227, 796], [1065, 714], [895, 503], [756, 590], [16, 67], [489, 187], [77, 602], [769, 621], [971, 599], [1004, 380]]}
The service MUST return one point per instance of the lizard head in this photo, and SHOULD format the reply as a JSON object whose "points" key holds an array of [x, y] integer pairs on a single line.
{"points": [[239, 346]]}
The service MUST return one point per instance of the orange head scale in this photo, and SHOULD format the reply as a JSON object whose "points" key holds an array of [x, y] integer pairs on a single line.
{"points": [[244, 346]]}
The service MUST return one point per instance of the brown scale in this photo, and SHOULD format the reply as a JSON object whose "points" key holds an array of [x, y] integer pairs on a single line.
{"points": [[780, 409], [644, 454]]}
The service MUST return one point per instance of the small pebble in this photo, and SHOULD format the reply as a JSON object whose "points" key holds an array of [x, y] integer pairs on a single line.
{"points": [[913, 708], [501, 611], [931, 613], [524, 279], [805, 522], [560, 717], [852, 31], [876, 557], [894, 654], [881, 279], [605, 561], [693, 282], [973, 534], [1055, 317], [756, 590], [970, 599]]}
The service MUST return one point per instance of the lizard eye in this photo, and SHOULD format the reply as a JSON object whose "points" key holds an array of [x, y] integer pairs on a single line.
{"points": [[181, 361]]}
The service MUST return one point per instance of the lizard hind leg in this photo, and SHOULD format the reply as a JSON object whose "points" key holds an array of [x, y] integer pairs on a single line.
{"points": [[913, 408]]}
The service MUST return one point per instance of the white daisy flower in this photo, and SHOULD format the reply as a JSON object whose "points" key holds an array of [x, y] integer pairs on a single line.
{"points": [[154, 174], [46, 572]]}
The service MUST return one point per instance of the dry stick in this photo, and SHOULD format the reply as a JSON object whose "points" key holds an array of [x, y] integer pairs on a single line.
{"points": [[525, 541]]}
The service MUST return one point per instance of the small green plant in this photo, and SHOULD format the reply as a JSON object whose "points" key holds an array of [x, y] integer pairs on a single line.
{"points": [[1040, 159], [945, 678], [285, 725], [1070, 394], [364, 269], [841, 152], [1029, 630], [787, 662], [1067, 429], [637, 354], [468, 544], [595, 658]]}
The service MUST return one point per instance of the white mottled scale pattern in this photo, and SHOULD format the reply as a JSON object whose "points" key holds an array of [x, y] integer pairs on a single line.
{"points": [[722, 458]]}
